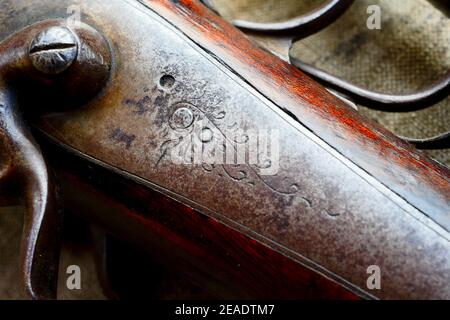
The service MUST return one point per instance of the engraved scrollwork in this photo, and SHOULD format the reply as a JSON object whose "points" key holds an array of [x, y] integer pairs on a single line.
{"points": [[183, 124], [181, 119]]}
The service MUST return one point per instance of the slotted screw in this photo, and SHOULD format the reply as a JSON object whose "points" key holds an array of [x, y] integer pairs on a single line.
{"points": [[54, 50]]}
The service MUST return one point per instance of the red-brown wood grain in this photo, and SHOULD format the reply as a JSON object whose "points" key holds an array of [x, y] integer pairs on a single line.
{"points": [[226, 263]]}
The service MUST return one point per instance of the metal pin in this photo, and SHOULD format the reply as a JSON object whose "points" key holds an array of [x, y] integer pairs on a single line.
{"points": [[53, 50]]}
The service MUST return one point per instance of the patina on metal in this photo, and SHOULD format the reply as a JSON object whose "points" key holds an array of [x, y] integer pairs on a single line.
{"points": [[64, 65], [298, 27], [54, 50], [347, 195]]}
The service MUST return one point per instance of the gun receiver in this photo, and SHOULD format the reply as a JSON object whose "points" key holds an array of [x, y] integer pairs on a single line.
{"points": [[335, 194]]}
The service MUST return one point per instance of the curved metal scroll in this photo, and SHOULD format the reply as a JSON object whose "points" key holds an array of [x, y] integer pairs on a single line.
{"points": [[390, 103], [62, 64], [379, 101], [298, 27]]}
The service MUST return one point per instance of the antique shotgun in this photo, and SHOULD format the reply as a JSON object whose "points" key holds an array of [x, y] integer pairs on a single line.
{"points": [[110, 98]]}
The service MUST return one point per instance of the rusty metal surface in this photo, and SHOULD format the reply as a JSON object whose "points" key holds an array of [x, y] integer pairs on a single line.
{"points": [[24, 176], [317, 212]]}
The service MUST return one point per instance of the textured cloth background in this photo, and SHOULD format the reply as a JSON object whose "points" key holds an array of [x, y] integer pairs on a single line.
{"points": [[409, 52]]}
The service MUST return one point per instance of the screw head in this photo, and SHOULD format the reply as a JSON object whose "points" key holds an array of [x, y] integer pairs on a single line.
{"points": [[54, 50]]}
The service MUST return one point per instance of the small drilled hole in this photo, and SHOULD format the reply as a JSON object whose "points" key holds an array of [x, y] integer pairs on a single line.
{"points": [[167, 81]]}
